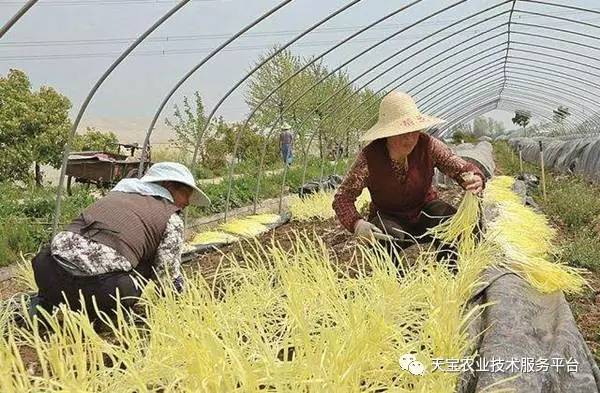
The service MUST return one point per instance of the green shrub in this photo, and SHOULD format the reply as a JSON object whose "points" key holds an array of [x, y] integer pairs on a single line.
{"points": [[460, 137], [573, 200], [583, 251], [26, 216], [201, 172]]}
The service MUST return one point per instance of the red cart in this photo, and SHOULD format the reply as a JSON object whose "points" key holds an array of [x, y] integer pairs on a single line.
{"points": [[102, 169]]}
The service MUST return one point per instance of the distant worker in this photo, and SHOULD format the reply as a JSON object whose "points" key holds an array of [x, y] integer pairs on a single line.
{"points": [[397, 167], [286, 142], [134, 230]]}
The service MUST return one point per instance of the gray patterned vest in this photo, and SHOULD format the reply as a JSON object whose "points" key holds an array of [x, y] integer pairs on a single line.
{"points": [[132, 224]]}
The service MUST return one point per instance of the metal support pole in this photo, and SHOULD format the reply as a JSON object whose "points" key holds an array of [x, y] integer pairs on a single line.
{"points": [[543, 170], [15, 18], [520, 160], [193, 71], [88, 99]]}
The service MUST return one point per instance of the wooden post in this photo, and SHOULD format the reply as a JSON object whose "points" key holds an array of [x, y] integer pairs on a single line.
{"points": [[521, 160], [543, 170]]}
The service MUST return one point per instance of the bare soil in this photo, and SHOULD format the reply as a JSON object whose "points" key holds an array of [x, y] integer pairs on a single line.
{"points": [[341, 243]]}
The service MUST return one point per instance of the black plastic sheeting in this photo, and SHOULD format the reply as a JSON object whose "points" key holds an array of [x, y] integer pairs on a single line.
{"points": [[576, 156], [311, 187], [521, 330]]}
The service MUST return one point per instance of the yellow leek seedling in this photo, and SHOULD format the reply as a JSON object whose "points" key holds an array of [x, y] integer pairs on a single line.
{"points": [[315, 206], [461, 226], [546, 276], [244, 227], [517, 226], [265, 219], [318, 206], [210, 237], [282, 318], [24, 274], [499, 189]]}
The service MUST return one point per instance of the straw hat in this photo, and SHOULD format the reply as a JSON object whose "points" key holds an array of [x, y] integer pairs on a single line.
{"points": [[398, 114]]}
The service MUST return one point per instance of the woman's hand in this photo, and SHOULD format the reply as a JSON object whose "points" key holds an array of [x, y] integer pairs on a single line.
{"points": [[472, 183], [365, 230]]}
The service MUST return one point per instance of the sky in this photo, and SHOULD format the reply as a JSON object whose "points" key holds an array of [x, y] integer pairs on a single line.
{"points": [[68, 44]]}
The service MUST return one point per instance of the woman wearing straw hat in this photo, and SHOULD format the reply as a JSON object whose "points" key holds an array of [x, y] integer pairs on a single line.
{"points": [[134, 231], [397, 166]]}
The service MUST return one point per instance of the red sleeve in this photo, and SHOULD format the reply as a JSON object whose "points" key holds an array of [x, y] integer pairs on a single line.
{"points": [[352, 186], [450, 164]]}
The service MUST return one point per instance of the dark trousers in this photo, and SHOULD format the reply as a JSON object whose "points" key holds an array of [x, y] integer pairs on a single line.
{"points": [[433, 213], [57, 286]]}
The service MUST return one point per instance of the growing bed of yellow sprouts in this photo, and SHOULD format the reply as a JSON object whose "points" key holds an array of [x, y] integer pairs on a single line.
{"points": [[211, 237], [318, 206], [274, 320], [250, 226]]}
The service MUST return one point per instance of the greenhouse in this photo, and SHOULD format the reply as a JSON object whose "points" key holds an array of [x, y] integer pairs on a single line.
{"points": [[299, 196]]}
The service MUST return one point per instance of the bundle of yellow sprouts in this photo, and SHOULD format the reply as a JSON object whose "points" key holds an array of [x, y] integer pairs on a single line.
{"points": [[265, 219], [500, 190], [526, 239], [249, 226], [460, 229], [318, 206]]}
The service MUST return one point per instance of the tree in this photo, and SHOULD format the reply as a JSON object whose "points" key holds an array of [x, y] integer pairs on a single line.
{"points": [[522, 119], [480, 126], [189, 123], [459, 132], [333, 124], [53, 125], [267, 79], [96, 140], [33, 127], [17, 128], [560, 114], [495, 127]]}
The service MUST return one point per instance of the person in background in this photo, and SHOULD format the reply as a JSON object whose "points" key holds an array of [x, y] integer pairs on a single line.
{"points": [[397, 167], [136, 229], [286, 142]]}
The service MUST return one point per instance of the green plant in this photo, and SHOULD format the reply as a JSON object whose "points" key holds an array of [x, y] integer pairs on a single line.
{"points": [[508, 160], [33, 127], [26, 215], [583, 250], [572, 199], [460, 137], [96, 140]]}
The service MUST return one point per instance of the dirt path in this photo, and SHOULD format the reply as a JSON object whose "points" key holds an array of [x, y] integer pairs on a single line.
{"points": [[218, 180]]}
